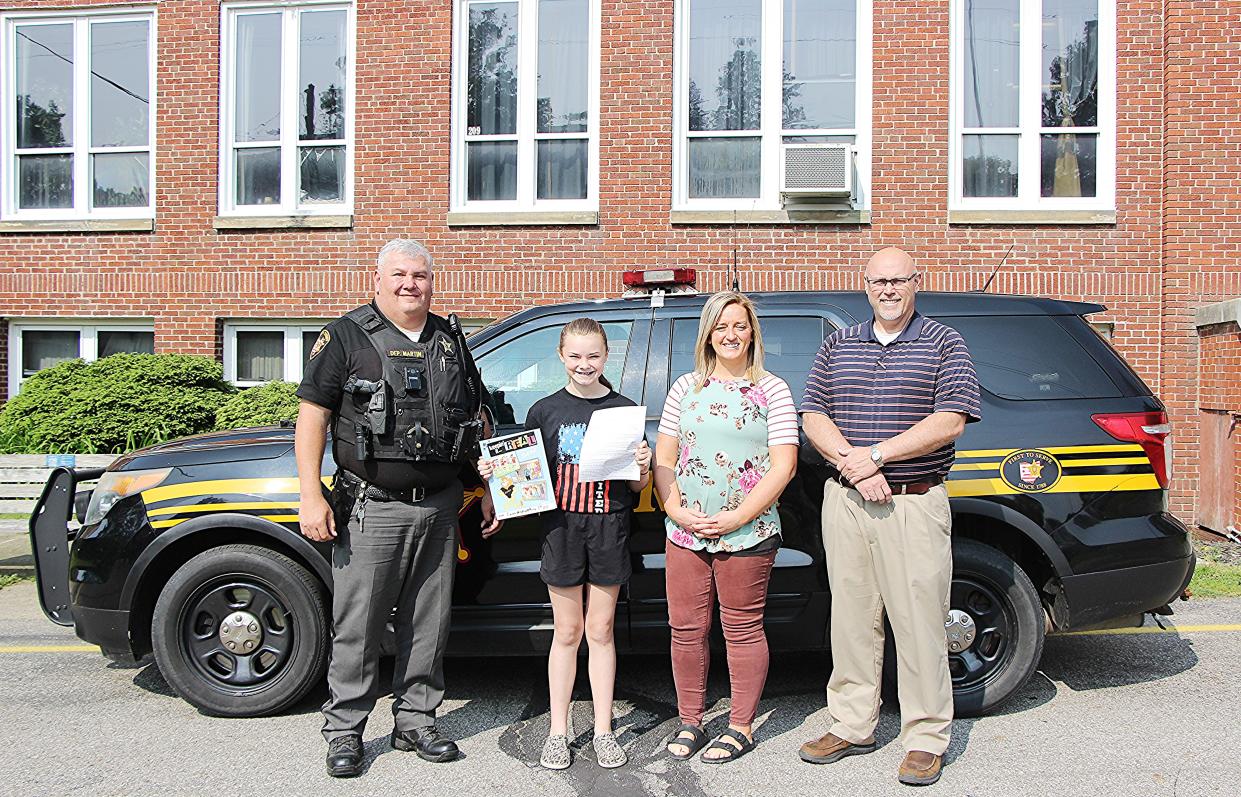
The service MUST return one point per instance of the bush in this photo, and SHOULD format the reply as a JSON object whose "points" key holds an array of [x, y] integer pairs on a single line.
{"points": [[114, 405], [264, 405]]}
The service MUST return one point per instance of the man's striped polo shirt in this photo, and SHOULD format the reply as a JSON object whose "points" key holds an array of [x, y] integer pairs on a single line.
{"points": [[873, 392]]}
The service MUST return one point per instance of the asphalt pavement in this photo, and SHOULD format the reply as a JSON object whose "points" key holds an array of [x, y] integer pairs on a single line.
{"points": [[1148, 713]]}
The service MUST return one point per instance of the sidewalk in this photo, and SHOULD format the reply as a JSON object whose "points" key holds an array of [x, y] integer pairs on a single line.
{"points": [[15, 556]]}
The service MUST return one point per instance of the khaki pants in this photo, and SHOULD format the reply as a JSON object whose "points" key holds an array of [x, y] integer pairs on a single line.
{"points": [[895, 556]]}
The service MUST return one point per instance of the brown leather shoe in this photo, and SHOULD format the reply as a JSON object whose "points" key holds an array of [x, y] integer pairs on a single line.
{"points": [[920, 769], [830, 747]]}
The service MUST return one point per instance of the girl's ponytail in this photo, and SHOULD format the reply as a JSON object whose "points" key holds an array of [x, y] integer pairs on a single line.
{"points": [[585, 326]]}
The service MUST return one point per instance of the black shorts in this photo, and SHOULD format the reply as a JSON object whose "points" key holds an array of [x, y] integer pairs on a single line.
{"points": [[581, 547]]}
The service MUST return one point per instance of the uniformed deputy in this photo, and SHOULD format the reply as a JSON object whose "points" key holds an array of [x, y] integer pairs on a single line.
{"points": [[401, 395]]}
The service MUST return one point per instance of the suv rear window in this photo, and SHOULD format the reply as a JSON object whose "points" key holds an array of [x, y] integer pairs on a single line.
{"points": [[1031, 357], [789, 344]]}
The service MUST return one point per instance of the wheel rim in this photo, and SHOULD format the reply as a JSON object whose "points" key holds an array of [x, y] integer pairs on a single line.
{"points": [[995, 627], [237, 633]]}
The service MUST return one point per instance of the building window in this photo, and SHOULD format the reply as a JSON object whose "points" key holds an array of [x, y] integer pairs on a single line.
{"points": [[265, 351], [524, 128], [753, 76], [1034, 104], [78, 112], [287, 110], [37, 344]]}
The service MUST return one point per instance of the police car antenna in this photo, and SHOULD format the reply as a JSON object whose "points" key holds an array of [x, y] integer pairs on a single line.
{"points": [[736, 276], [987, 284]]}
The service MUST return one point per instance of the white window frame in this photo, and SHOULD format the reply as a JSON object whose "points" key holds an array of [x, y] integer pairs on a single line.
{"points": [[288, 143], [88, 330], [293, 330], [772, 132], [1030, 127], [527, 123], [82, 19]]}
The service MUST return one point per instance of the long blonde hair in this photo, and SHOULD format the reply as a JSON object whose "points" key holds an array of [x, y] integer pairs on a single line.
{"points": [[704, 353]]}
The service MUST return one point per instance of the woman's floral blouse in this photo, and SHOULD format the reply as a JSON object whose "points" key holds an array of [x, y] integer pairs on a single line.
{"points": [[723, 433]]}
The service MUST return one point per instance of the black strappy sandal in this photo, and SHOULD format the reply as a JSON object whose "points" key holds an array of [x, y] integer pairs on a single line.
{"points": [[694, 743], [734, 752]]}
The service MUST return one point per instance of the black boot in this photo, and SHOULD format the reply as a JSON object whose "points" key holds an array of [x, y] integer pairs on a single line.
{"points": [[427, 743], [344, 756]]}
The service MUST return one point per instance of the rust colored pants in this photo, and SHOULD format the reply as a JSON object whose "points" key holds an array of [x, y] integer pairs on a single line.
{"points": [[695, 578]]}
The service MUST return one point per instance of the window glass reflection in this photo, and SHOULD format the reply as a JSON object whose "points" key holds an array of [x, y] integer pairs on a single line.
{"points": [[120, 179], [44, 85], [491, 170], [321, 81], [724, 167], [120, 84], [258, 77], [491, 93], [725, 75], [820, 63], [1070, 63], [564, 66], [992, 49], [989, 165]]}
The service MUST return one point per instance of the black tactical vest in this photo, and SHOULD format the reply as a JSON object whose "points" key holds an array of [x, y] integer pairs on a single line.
{"points": [[425, 406]]}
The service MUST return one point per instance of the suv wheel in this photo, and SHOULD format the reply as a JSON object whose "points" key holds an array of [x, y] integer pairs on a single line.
{"points": [[994, 598], [241, 631]]}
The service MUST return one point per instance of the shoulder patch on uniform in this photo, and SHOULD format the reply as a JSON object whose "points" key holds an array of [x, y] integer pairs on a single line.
{"points": [[325, 338]]}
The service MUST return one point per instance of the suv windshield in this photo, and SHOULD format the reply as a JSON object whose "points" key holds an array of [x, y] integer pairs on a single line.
{"points": [[1031, 357]]}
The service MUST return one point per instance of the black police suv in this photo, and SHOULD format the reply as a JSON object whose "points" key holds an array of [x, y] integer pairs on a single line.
{"points": [[190, 550]]}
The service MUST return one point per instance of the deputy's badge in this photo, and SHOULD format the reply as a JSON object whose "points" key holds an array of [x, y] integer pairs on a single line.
{"points": [[448, 347], [1030, 470], [324, 339]]}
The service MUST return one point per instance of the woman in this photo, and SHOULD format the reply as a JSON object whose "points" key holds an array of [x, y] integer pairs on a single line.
{"points": [[727, 447]]}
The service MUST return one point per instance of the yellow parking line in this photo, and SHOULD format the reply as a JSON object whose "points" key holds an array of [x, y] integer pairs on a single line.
{"points": [[49, 648], [1171, 629]]}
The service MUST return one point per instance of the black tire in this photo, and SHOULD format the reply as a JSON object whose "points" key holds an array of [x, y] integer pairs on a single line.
{"points": [[1009, 626], [241, 594]]}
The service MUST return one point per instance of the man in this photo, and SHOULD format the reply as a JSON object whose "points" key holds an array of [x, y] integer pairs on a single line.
{"points": [[401, 395], [883, 404]]}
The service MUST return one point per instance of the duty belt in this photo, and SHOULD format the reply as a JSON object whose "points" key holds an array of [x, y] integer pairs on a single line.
{"points": [[355, 487], [904, 488]]}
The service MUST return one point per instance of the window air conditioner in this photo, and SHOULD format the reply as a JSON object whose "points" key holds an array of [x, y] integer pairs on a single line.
{"points": [[816, 170]]}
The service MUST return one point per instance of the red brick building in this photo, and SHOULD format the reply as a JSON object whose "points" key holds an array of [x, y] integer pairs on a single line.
{"points": [[215, 178]]}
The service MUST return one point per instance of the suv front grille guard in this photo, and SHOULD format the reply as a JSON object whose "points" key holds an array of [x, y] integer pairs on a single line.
{"points": [[50, 537]]}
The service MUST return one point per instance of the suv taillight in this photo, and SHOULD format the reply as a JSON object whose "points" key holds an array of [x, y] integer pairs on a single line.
{"points": [[1148, 429]]}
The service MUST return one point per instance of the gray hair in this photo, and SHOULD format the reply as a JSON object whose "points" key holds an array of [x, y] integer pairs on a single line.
{"points": [[408, 247]]}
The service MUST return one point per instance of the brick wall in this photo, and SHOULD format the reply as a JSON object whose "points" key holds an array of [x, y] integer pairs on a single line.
{"points": [[187, 276], [1202, 205]]}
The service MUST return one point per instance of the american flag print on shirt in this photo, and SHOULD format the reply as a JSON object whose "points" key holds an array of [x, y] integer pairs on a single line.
{"points": [[573, 495]]}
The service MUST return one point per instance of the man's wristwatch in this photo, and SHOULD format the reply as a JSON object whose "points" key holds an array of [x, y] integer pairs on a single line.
{"points": [[876, 456]]}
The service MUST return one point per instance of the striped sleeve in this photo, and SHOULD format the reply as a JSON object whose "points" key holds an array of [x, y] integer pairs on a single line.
{"points": [[956, 384], [781, 412], [815, 397], [670, 421]]}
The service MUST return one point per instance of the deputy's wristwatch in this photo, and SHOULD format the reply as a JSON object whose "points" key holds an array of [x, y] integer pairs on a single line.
{"points": [[876, 456]]}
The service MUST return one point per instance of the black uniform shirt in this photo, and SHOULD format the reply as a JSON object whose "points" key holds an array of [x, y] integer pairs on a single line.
{"points": [[343, 349]]}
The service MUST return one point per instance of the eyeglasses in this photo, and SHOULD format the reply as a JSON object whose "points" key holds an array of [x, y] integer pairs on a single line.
{"points": [[890, 282]]}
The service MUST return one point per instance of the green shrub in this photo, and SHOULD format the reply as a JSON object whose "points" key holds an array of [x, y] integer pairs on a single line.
{"points": [[264, 405], [113, 405]]}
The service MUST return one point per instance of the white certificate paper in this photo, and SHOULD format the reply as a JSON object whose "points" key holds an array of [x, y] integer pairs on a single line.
{"points": [[612, 437]]}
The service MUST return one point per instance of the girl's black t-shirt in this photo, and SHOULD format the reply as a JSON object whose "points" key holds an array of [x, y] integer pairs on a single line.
{"points": [[562, 418]]}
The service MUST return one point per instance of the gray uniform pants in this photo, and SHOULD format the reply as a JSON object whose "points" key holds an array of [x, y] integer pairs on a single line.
{"points": [[391, 554]]}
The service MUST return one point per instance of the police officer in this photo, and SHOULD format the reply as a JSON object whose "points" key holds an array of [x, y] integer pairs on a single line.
{"points": [[401, 395]]}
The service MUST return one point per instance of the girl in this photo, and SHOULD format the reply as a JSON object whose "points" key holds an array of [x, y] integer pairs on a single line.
{"points": [[727, 447], [585, 541]]}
